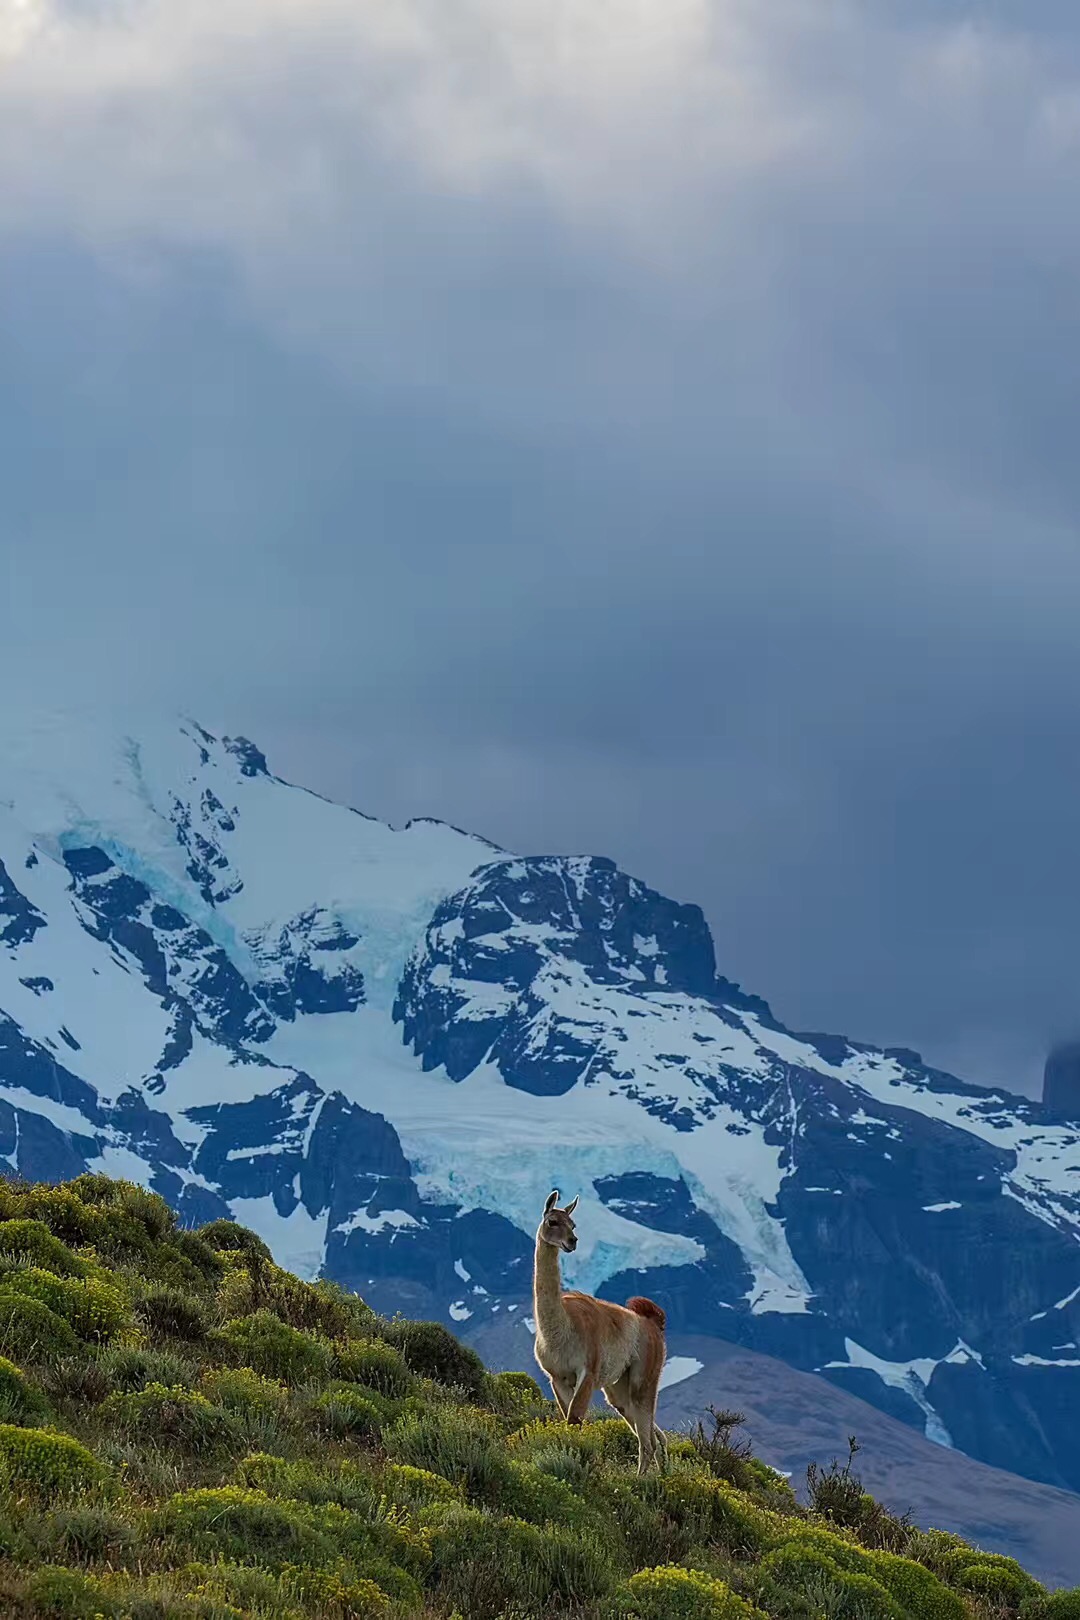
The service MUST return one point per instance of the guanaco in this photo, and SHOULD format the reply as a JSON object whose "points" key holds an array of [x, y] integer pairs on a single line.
{"points": [[584, 1344]]}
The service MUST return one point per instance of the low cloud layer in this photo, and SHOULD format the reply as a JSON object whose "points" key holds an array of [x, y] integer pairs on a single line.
{"points": [[644, 427]]}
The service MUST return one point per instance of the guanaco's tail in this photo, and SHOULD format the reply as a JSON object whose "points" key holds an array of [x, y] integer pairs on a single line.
{"points": [[649, 1309]]}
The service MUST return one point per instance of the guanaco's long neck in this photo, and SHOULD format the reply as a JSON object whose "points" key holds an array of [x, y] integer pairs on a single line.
{"points": [[548, 1309]]}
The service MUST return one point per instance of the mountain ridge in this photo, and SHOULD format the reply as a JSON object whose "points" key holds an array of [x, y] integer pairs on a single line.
{"points": [[379, 1048]]}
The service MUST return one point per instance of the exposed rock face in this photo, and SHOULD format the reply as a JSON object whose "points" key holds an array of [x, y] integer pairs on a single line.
{"points": [[382, 1048]]}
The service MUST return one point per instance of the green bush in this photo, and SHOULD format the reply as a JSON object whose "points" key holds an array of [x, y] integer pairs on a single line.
{"points": [[432, 1351], [248, 1525], [58, 1208], [514, 1394], [342, 1411], [32, 1243], [96, 1310], [320, 1307], [999, 1583], [859, 1560], [148, 1209], [129, 1369], [339, 1482], [174, 1314], [198, 1253], [30, 1331], [1061, 1605], [240, 1390], [916, 1589], [20, 1402], [540, 1498], [1002, 1580], [708, 1510], [65, 1594], [376, 1365], [459, 1443], [484, 1565], [228, 1236], [232, 1522], [269, 1346], [341, 1591], [47, 1464], [672, 1593], [412, 1487], [841, 1592], [86, 1533], [177, 1417]]}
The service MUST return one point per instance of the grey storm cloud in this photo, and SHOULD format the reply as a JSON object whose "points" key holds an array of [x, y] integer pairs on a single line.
{"points": [[644, 427]]}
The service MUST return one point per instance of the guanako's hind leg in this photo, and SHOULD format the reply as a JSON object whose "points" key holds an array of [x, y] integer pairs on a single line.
{"points": [[652, 1441], [617, 1395], [635, 1413]]}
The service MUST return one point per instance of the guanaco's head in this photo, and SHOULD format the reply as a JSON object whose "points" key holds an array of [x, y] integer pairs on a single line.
{"points": [[557, 1226]]}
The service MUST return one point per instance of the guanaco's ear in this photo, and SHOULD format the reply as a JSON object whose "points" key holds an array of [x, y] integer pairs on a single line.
{"points": [[572, 1205], [553, 1199]]}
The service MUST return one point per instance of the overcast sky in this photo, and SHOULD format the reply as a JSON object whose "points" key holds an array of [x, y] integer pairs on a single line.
{"points": [[644, 427]]}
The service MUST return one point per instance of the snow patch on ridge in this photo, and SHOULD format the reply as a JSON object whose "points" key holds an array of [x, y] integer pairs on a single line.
{"points": [[912, 1377]]}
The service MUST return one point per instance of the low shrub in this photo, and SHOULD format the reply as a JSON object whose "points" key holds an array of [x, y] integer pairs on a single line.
{"points": [[129, 1369], [486, 1566], [59, 1209], [342, 1411], [320, 1307], [269, 1346], [461, 1444], [340, 1482], [374, 1364], [246, 1525], [997, 1582], [73, 1379], [174, 1314], [30, 1331], [47, 1464], [1001, 1580], [177, 1417], [540, 1498], [31, 1243], [54, 1593], [411, 1487], [432, 1351], [342, 1592], [95, 1310], [20, 1402], [86, 1533], [225, 1236], [916, 1589], [240, 1390], [198, 1253], [673, 1593], [147, 1209], [514, 1394], [841, 1592], [708, 1510], [1060, 1605]]}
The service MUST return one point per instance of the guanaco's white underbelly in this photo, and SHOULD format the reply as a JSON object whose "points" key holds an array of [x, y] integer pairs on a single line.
{"points": [[566, 1361]]}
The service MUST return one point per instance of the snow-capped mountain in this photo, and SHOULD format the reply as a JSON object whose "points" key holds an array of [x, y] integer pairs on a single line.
{"points": [[380, 1048]]}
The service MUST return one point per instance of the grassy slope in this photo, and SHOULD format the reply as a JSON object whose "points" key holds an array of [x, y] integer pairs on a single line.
{"points": [[189, 1433]]}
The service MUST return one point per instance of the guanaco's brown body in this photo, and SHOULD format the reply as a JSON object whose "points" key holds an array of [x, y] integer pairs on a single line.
{"points": [[584, 1344]]}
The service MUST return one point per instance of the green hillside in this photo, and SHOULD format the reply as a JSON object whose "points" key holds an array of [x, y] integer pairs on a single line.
{"points": [[189, 1433]]}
